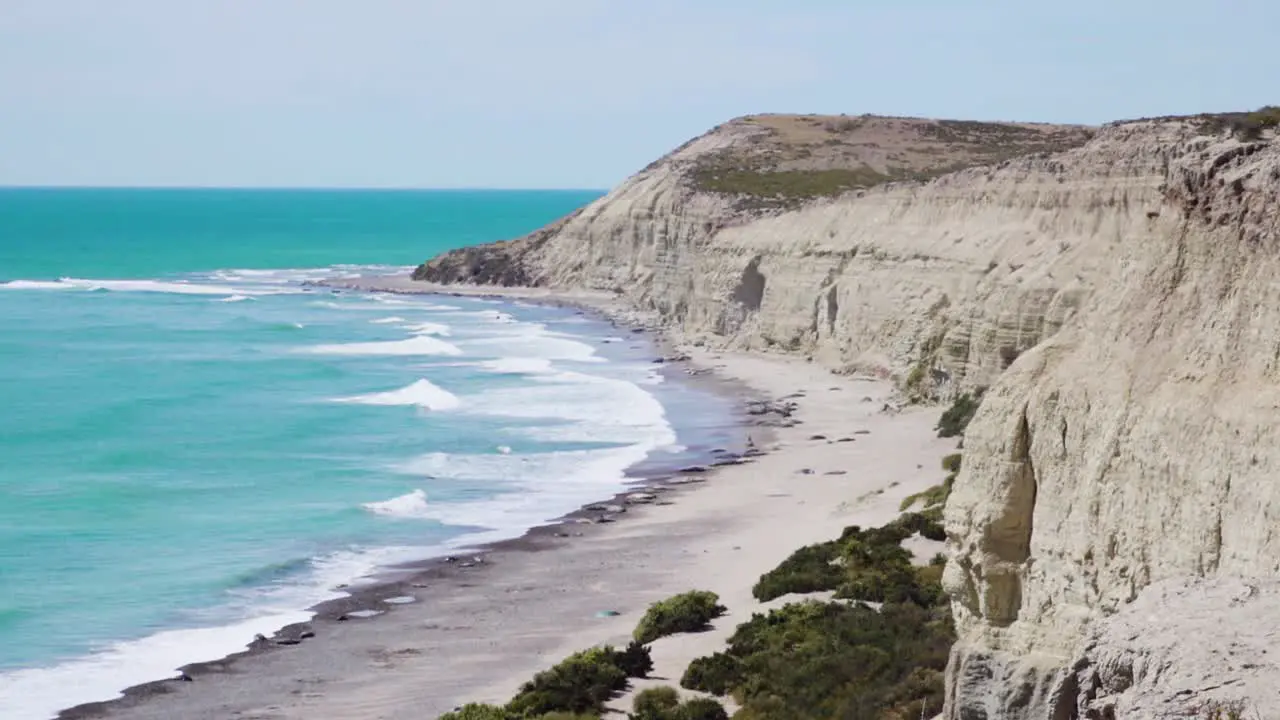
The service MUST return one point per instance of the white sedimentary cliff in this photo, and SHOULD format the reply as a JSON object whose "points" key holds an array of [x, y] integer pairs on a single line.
{"points": [[1121, 299]]}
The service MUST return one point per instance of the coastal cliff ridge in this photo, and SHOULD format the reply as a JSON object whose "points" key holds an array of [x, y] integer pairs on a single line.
{"points": [[1112, 291]]}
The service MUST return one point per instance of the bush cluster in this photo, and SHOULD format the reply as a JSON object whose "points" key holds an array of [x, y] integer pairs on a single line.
{"points": [[663, 703], [934, 499], [692, 611], [824, 660], [577, 687], [956, 418], [1250, 127], [868, 565]]}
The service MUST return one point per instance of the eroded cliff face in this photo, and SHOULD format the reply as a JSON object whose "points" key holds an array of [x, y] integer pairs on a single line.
{"points": [[1137, 445], [1121, 300]]}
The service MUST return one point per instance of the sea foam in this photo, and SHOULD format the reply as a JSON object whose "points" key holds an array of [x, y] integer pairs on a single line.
{"points": [[157, 286], [40, 693], [517, 365], [410, 505], [420, 345], [423, 394], [427, 328]]}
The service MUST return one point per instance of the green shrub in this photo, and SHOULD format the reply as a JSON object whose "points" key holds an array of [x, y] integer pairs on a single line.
{"points": [[657, 703], [951, 463], [701, 709], [567, 716], [477, 711], [688, 612], [634, 660], [715, 674], [956, 418], [809, 569], [580, 683], [923, 524], [1250, 127], [823, 660]]}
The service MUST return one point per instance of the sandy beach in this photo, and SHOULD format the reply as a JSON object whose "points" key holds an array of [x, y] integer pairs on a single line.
{"points": [[475, 631]]}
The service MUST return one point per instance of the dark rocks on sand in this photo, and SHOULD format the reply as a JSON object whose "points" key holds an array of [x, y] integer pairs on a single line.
{"points": [[770, 407], [694, 469], [817, 437], [806, 471], [861, 432], [306, 635], [846, 439], [836, 472], [186, 678]]}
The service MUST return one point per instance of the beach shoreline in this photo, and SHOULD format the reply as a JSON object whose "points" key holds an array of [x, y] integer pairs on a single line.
{"points": [[475, 630], [468, 561]]}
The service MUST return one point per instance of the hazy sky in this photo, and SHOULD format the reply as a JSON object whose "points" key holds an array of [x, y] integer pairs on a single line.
{"points": [[565, 93]]}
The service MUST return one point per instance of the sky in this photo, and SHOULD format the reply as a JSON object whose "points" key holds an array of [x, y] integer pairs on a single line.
{"points": [[565, 93]]}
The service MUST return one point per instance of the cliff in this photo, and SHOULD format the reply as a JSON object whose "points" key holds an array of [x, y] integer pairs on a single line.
{"points": [[1113, 287]]}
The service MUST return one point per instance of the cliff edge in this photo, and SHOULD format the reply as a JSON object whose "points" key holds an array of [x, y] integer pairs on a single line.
{"points": [[1113, 287]]}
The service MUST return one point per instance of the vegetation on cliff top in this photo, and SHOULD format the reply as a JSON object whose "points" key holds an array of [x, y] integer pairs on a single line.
{"points": [[791, 159]]}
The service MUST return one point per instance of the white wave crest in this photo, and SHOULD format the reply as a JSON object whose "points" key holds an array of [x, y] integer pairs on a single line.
{"points": [[35, 285], [517, 365], [532, 488], [534, 341], [158, 286], [423, 394], [411, 505], [420, 345], [428, 328], [387, 320], [234, 298]]}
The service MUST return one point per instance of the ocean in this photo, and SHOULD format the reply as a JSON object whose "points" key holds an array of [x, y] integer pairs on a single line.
{"points": [[197, 445]]}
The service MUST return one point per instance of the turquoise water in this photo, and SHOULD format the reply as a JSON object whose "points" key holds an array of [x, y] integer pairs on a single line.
{"points": [[198, 446]]}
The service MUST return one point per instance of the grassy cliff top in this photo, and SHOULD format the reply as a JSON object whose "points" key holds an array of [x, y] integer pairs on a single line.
{"points": [[784, 160]]}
